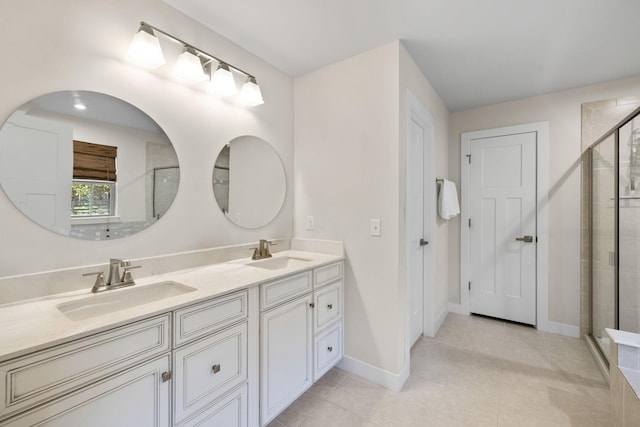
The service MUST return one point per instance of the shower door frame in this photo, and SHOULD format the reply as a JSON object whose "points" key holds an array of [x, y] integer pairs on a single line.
{"points": [[615, 131]]}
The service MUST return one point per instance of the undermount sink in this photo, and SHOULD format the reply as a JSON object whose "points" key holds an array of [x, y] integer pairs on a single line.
{"points": [[279, 262], [121, 299]]}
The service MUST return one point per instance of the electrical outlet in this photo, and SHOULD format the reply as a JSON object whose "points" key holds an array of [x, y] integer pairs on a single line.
{"points": [[375, 227], [310, 223]]}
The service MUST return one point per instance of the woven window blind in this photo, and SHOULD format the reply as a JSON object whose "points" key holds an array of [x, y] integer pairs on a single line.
{"points": [[94, 161]]}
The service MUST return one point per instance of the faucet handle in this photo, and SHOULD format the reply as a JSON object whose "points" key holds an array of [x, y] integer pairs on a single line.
{"points": [[99, 280], [95, 273], [126, 274]]}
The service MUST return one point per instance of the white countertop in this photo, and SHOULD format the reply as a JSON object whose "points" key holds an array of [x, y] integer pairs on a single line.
{"points": [[36, 324]]}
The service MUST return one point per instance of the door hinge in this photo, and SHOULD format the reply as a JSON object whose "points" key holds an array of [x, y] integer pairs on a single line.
{"points": [[469, 158], [469, 222], [166, 376], [469, 285]]}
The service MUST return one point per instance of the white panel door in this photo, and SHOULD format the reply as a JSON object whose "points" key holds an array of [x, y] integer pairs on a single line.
{"points": [[39, 183], [415, 226], [503, 227]]}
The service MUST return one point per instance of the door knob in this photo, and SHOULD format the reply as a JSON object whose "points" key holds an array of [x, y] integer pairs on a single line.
{"points": [[526, 239], [423, 242]]}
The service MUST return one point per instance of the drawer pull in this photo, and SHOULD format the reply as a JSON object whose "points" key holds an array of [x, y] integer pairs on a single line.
{"points": [[166, 376], [330, 348], [329, 306], [215, 368]]}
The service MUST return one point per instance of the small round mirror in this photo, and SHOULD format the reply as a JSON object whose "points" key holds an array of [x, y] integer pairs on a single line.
{"points": [[87, 165], [249, 182]]}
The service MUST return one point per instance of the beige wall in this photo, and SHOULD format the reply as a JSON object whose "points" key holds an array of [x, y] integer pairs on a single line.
{"points": [[562, 111], [350, 128], [68, 44]]}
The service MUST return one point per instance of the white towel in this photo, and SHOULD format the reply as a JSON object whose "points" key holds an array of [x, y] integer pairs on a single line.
{"points": [[448, 206]]}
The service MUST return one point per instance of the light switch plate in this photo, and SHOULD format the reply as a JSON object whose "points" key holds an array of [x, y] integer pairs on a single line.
{"points": [[375, 227], [310, 223]]}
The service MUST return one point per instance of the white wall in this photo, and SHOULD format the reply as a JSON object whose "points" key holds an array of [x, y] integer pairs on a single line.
{"points": [[346, 172], [350, 131], [562, 111], [69, 44]]}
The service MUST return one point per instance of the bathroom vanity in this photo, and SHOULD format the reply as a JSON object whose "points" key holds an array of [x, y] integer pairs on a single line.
{"points": [[227, 344]]}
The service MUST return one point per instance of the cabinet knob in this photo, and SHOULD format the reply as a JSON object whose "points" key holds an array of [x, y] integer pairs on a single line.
{"points": [[329, 306], [330, 348], [215, 368], [312, 305], [166, 376]]}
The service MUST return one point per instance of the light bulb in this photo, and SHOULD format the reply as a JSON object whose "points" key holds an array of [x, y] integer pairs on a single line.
{"points": [[250, 94], [222, 82], [188, 68], [145, 49]]}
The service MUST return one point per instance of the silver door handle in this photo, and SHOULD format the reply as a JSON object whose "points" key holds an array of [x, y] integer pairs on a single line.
{"points": [[423, 242], [526, 239]]}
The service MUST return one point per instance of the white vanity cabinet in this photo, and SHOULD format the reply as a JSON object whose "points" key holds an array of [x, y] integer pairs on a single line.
{"points": [[141, 374], [80, 383], [301, 326]]}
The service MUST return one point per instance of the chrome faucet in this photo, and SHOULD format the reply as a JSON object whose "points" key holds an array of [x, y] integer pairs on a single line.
{"points": [[262, 251], [114, 279]]}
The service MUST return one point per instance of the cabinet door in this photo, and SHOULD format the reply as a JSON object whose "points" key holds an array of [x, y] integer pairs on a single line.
{"points": [[286, 355], [206, 369], [136, 397], [231, 411], [48, 374]]}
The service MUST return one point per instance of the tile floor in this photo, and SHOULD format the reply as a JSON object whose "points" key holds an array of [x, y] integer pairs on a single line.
{"points": [[475, 372]]}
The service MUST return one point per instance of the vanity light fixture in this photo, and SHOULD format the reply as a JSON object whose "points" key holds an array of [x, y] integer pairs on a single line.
{"points": [[145, 49], [193, 65], [222, 81], [188, 68], [250, 94]]}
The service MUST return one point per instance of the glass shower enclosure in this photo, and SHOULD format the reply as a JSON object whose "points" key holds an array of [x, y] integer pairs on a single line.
{"points": [[615, 231]]}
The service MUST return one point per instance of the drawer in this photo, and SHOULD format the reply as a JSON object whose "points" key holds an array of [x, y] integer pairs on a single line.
{"points": [[327, 274], [276, 292], [45, 375], [328, 305], [206, 369], [135, 397], [202, 319], [328, 348], [231, 411]]}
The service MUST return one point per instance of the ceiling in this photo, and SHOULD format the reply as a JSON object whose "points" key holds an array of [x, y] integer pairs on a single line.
{"points": [[473, 52], [99, 107]]}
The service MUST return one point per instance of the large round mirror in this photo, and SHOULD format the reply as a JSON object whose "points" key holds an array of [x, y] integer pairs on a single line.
{"points": [[87, 165], [249, 182]]}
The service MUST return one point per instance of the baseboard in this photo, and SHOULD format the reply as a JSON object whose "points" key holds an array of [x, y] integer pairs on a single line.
{"points": [[560, 329], [440, 319], [456, 308], [393, 382]]}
